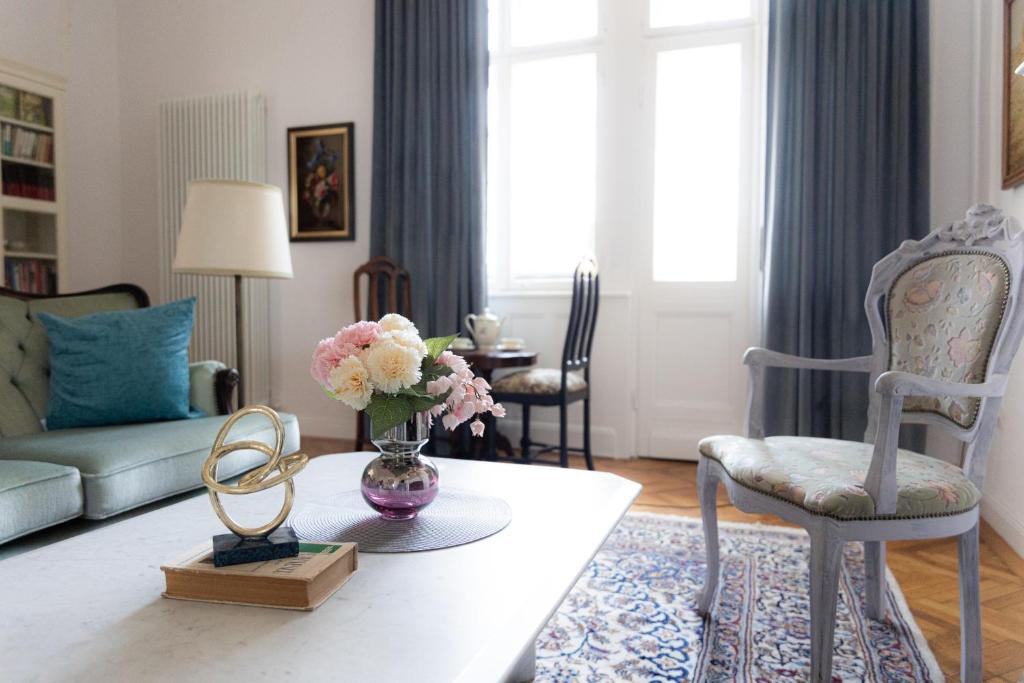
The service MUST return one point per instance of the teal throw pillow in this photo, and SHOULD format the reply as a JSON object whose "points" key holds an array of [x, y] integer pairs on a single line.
{"points": [[119, 367]]}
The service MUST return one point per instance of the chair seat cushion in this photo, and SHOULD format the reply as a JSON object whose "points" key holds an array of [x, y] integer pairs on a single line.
{"points": [[826, 476], [35, 495], [125, 466], [543, 381]]}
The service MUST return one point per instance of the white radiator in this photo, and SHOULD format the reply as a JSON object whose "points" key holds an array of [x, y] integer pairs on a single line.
{"points": [[221, 137]]}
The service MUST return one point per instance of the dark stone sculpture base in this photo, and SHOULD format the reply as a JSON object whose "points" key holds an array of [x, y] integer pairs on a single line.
{"points": [[231, 549]]}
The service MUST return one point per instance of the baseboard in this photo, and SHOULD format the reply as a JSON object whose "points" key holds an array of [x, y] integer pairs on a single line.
{"points": [[1004, 522], [604, 440]]}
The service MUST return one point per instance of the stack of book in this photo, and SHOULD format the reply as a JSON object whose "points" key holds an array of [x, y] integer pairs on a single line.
{"points": [[31, 276], [303, 582], [22, 143]]}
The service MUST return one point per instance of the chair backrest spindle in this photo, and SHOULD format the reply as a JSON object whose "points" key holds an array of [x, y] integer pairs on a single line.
{"points": [[579, 336]]}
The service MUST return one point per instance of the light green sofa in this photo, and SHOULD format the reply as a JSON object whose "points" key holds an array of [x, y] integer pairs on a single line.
{"points": [[49, 477]]}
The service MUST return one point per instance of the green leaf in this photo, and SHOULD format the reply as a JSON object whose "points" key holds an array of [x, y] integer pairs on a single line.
{"points": [[387, 411], [419, 399], [436, 346], [433, 371]]}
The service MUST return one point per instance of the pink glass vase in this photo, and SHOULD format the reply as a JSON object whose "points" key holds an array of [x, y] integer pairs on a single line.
{"points": [[400, 482]]}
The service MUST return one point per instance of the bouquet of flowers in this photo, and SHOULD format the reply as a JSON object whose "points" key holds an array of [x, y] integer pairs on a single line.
{"points": [[386, 369]]}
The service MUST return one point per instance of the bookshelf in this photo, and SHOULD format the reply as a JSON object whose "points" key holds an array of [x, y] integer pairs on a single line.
{"points": [[31, 179]]}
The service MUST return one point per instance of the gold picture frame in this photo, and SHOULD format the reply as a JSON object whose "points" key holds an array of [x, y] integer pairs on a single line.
{"points": [[321, 182], [1013, 94]]}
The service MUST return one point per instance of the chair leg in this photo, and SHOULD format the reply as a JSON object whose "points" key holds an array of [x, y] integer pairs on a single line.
{"points": [[826, 560], [586, 434], [360, 433], [707, 492], [524, 442], [874, 579], [563, 435], [970, 608]]}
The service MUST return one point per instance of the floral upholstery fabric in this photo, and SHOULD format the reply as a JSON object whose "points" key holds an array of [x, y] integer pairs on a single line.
{"points": [[539, 381], [944, 314], [826, 476]]}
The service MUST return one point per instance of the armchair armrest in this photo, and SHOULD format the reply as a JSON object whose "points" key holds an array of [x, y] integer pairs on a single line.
{"points": [[897, 383], [757, 359], [880, 482], [212, 386]]}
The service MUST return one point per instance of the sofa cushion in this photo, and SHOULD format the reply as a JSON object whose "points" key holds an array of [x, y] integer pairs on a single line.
{"points": [[35, 495], [125, 466], [25, 354], [119, 367]]}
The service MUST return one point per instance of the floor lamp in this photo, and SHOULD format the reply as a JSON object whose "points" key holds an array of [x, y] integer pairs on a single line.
{"points": [[237, 229]]}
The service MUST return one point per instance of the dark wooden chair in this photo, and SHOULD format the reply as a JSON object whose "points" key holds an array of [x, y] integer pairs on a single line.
{"points": [[388, 290], [564, 385]]}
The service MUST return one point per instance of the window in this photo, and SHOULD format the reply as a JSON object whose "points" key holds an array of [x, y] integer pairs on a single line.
{"points": [[542, 138], [625, 116]]}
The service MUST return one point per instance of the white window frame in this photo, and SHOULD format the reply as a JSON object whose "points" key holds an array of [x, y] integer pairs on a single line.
{"points": [[623, 35], [502, 58]]}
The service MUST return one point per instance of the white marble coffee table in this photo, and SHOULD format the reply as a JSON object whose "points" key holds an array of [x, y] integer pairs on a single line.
{"points": [[89, 607]]}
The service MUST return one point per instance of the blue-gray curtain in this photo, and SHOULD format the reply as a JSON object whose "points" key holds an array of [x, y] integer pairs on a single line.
{"points": [[847, 163], [429, 146]]}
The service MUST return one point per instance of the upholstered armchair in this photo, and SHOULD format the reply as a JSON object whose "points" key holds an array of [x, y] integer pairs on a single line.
{"points": [[948, 327]]}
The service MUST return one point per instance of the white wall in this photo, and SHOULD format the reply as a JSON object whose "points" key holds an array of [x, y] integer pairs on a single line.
{"points": [[314, 63], [78, 41], [1003, 506]]}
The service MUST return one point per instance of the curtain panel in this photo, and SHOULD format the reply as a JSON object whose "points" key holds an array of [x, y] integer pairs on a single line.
{"points": [[847, 164], [429, 147]]}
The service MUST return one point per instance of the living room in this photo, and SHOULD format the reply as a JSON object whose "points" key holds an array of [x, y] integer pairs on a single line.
{"points": [[606, 203]]}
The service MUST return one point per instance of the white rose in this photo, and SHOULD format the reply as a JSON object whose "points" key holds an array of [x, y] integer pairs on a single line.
{"points": [[351, 382], [392, 366], [393, 322], [409, 340]]}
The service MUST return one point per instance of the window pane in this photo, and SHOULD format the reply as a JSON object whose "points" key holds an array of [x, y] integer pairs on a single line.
{"points": [[697, 164], [552, 164], [688, 12], [493, 157], [536, 22]]}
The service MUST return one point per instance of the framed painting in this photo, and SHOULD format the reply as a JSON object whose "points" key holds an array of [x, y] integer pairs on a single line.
{"points": [[1013, 93], [321, 182]]}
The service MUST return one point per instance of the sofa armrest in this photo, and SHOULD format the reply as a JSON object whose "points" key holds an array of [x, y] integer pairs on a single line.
{"points": [[212, 386]]}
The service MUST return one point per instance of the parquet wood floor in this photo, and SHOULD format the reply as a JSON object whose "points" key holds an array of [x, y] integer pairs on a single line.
{"points": [[926, 570]]}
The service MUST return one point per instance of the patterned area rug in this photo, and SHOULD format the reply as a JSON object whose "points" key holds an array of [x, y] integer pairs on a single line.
{"points": [[632, 616]]}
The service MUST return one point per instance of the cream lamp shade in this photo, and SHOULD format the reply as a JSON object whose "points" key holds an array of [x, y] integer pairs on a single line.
{"points": [[231, 227]]}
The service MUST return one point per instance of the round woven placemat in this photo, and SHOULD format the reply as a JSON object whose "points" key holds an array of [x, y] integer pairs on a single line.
{"points": [[454, 518]]}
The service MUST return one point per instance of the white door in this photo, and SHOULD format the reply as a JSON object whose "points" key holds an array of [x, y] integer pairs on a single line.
{"points": [[695, 270]]}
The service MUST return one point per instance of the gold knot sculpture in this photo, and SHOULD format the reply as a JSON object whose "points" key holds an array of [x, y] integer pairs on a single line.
{"points": [[259, 479]]}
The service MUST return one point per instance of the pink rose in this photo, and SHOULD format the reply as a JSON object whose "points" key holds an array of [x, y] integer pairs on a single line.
{"points": [[360, 334], [325, 358], [450, 422], [477, 427], [498, 410]]}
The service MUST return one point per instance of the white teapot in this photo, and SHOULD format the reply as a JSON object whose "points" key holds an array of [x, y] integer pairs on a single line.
{"points": [[485, 328]]}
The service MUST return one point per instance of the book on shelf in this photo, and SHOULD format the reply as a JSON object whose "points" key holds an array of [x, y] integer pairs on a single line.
{"points": [[32, 108], [29, 275], [32, 182], [8, 102], [303, 582], [22, 143]]}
